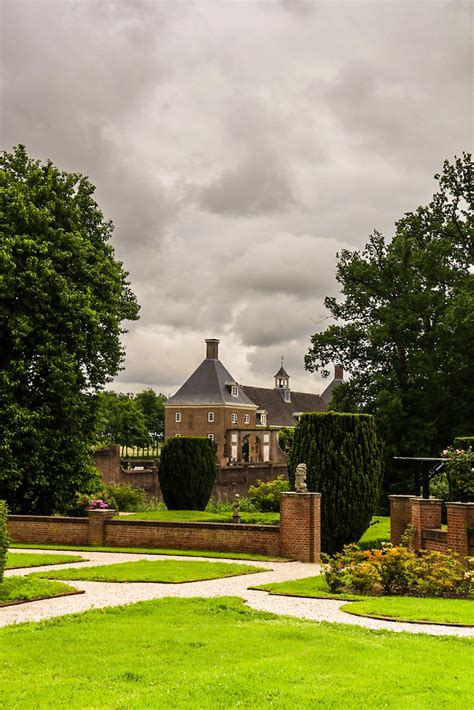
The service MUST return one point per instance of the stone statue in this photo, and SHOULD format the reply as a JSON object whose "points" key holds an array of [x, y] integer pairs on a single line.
{"points": [[300, 478], [236, 509]]}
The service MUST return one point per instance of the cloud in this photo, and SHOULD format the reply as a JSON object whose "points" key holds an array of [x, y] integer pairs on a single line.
{"points": [[237, 147], [259, 185]]}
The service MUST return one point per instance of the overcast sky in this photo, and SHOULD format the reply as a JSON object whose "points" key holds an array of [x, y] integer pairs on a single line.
{"points": [[237, 146]]}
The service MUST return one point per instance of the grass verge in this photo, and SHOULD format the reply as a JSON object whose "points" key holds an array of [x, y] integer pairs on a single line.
{"points": [[311, 587], [203, 516], [16, 589], [218, 653], [152, 551], [459, 612], [19, 560], [165, 571]]}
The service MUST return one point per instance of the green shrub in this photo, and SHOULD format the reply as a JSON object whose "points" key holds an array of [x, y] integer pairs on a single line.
{"points": [[397, 570], [127, 498], [343, 456], [265, 497], [4, 538], [187, 472], [463, 442], [285, 438]]}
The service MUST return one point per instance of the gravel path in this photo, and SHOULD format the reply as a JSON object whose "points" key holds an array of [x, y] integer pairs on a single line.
{"points": [[103, 594]]}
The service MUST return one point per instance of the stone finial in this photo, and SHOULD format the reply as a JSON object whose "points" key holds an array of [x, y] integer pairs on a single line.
{"points": [[300, 478], [236, 509]]}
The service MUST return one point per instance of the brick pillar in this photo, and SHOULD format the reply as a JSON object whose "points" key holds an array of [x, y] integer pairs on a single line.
{"points": [[97, 520], [425, 515], [400, 517], [460, 519], [300, 526]]}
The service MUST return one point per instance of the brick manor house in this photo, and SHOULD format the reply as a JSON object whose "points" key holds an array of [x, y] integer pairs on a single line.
{"points": [[243, 421]]}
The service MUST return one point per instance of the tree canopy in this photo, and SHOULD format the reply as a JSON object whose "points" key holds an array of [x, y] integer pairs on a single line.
{"points": [[404, 327], [63, 297], [131, 420]]}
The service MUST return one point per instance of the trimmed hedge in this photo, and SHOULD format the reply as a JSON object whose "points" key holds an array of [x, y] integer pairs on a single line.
{"points": [[463, 442], [343, 456], [187, 472], [4, 539]]}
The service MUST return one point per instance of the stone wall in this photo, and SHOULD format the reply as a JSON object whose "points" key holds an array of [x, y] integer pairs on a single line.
{"points": [[297, 537]]}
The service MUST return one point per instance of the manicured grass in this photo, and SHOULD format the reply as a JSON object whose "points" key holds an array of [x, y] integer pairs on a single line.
{"points": [[203, 516], [440, 611], [153, 551], [17, 560], [167, 571], [376, 533], [218, 653], [308, 587], [28, 588]]}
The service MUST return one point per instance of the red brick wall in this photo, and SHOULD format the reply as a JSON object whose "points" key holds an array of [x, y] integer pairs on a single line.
{"points": [[300, 525], [222, 537], [400, 517], [36, 529], [108, 462], [297, 537], [425, 515], [435, 540]]}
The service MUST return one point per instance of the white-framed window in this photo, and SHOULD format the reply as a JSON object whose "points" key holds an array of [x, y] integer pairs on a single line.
{"points": [[247, 418], [234, 418], [211, 437], [210, 417], [234, 390], [177, 417], [177, 434], [263, 418]]}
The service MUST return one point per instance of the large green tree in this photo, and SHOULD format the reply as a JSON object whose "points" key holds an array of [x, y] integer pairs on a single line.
{"points": [[153, 408], [121, 421], [63, 297], [404, 326]]}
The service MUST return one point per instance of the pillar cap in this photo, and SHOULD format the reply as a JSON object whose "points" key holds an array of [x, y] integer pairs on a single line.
{"points": [[297, 493], [426, 500], [466, 504]]}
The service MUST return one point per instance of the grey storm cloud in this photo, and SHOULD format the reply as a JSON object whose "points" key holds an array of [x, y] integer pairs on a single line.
{"points": [[238, 147]]}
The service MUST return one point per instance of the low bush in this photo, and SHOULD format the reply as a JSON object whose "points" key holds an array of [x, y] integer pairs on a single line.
{"points": [[4, 539], [127, 498], [397, 570], [265, 497]]}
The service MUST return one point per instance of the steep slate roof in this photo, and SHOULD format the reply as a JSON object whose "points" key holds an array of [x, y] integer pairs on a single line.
{"points": [[209, 384], [326, 396], [279, 412]]}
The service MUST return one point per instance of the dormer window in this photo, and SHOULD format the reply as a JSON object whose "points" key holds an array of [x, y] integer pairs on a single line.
{"points": [[234, 390], [263, 418]]}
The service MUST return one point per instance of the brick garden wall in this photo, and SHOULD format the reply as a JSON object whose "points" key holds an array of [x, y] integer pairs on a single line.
{"points": [[298, 535], [425, 516], [222, 537], [39, 529]]}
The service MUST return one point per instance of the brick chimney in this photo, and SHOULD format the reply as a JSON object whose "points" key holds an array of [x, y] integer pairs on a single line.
{"points": [[338, 372], [212, 349]]}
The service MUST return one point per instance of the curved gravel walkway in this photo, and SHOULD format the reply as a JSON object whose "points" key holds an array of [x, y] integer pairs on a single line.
{"points": [[103, 594]]}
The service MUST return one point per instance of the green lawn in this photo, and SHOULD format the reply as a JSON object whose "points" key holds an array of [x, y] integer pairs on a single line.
{"points": [[218, 653], [440, 611], [153, 551], [17, 560], [28, 588], [203, 516], [166, 571], [376, 533], [314, 587]]}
